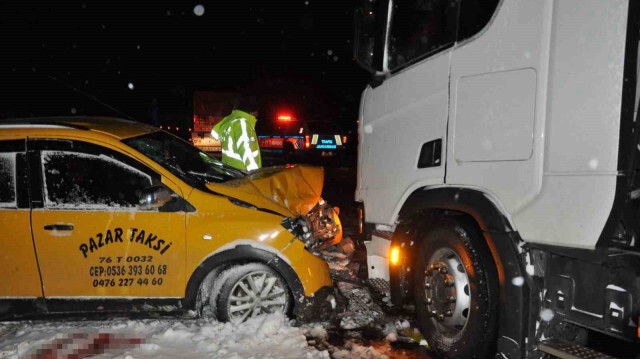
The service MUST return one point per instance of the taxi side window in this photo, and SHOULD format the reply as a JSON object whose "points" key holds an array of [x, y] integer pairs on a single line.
{"points": [[13, 174], [8, 180], [76, 179]]}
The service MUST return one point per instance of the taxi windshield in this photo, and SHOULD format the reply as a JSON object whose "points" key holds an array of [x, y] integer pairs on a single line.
{"points": [[185, 161]]}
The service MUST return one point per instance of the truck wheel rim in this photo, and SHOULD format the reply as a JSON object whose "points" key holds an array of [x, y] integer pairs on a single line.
{"points": [[254, 294], [447, 292]]}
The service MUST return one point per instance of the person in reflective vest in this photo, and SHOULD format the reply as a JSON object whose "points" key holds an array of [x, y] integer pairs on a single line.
{"points": [[237, 135]]}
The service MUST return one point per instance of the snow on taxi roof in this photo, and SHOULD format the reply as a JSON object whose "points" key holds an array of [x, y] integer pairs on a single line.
{"points": [[116, 127]]}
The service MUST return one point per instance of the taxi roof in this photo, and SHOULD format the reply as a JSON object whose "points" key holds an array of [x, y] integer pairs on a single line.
{"points": [[116, 127]]}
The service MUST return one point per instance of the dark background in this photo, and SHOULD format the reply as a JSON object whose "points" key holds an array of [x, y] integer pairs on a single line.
{"points": [[293, 55]]}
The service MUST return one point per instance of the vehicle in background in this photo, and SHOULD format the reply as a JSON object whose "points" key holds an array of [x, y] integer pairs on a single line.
{"points": [[498, 171], [296, 139], [209, 108], [142, 220]]}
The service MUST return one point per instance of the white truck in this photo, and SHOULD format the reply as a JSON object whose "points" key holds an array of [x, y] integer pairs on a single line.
{"points": [[499, 171]]}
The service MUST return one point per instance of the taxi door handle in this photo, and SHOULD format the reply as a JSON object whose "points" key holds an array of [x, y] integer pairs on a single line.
{"points": [[58, 227]]}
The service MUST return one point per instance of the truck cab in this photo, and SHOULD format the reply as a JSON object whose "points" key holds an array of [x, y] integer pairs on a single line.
{"points": [[497, 170]]}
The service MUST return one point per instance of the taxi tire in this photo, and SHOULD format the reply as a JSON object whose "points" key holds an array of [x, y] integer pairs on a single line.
{"points": [[236, 273]]}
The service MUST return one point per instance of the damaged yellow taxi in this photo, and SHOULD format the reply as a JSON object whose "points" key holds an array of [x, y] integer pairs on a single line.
{"points": [[103, 214]]}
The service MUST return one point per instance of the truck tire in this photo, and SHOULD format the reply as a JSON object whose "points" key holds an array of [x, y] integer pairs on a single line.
{"points": [[456, 290], [250, 290]]}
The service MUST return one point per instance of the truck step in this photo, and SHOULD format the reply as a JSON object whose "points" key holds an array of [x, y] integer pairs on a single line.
{"points": [[380, 285], [572, 351]]}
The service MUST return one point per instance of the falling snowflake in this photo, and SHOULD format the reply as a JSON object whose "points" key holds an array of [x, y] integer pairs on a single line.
{"points": [[330, 52], [198, 10], [168, 12], [306, 3], [547, 314], [73, 110], [138, 47], [335, 58], [518, 281], [130, 85]]}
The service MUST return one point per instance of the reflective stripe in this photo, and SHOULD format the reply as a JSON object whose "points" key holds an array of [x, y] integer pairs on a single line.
{"points": [[314, 140], [248, 154], [215, 134], [230, 152]]}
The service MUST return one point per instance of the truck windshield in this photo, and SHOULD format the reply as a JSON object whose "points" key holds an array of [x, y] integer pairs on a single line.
{"points": [[186, 162]]}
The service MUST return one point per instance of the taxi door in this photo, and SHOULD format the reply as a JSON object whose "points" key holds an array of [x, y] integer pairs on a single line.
{"points": [[91, 236], [19, 277]]}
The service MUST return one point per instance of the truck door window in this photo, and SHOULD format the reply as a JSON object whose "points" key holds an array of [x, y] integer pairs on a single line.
{"points": [[75, 179], [420, 28], [474, 16]]}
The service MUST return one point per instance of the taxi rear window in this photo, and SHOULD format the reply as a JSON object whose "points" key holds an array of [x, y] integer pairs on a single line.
{"points": [[7, 179]]}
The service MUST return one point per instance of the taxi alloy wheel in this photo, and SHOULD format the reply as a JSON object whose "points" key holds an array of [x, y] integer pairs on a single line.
{"points": [[252, 290]]}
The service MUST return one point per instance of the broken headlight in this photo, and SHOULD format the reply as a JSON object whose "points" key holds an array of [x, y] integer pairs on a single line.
{"points": [[300, 227]]}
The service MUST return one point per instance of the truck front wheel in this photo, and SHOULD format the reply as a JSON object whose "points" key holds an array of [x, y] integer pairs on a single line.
{"points": [[456, 292]]}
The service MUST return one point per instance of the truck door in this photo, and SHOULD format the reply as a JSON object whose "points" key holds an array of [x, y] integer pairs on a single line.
{"points": [[92, 238], [404, 126], [19, 276]]}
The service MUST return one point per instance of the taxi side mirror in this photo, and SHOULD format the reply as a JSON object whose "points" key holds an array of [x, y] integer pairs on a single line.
{"points": [[155, 197]]}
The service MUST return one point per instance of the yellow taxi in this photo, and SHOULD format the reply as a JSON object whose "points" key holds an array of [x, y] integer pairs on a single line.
{"points": [[108, 214]]}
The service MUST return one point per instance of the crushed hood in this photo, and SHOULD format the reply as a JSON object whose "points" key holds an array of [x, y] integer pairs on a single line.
{"points": [[288, 190]]}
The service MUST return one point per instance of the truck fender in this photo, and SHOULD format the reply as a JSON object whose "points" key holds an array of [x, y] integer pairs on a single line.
{"points": [[504, 243]]}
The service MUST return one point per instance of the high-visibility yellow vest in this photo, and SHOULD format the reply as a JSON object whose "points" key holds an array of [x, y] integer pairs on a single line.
{"points": [[239, 142]]}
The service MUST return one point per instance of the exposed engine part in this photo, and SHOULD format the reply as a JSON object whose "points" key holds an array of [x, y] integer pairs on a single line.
{"points": [[319, 229], [325, 224]]}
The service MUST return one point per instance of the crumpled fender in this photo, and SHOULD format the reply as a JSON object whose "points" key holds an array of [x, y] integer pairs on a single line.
{"points": [[289, 190]]}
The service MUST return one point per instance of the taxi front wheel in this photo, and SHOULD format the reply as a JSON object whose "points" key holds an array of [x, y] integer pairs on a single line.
{"points": [[250, 290]]}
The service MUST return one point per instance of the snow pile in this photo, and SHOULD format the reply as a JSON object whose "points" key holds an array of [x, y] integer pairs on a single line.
{"points": [[268, 336]]}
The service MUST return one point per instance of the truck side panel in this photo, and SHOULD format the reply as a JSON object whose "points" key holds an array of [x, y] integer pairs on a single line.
{"points": [[583, 122]]}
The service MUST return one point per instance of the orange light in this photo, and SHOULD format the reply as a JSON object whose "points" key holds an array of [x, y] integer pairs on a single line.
{"points": [[395, 256], [161, 127], [168, 127], [189, 129], [177, 128], [284, 118], [344, 139], [306, 141]]}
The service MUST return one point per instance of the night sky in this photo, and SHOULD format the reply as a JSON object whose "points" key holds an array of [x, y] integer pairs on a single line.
{"points": [[130, 55]]}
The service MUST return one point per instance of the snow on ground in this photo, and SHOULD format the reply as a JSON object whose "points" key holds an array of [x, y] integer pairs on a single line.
{"points": [[267, 337]]}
